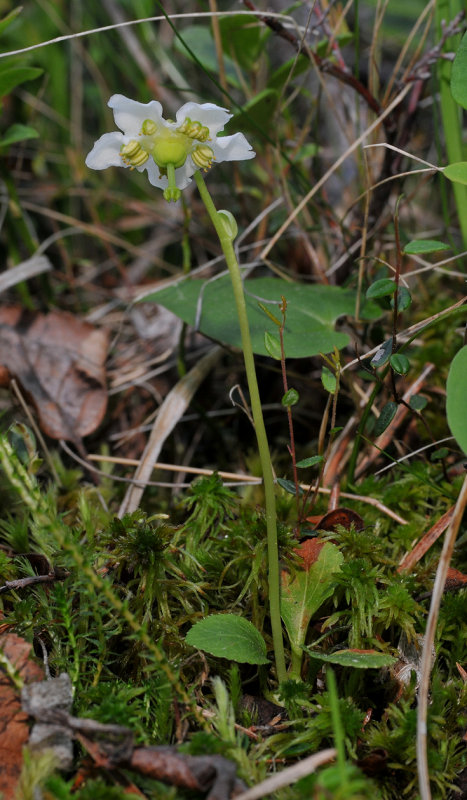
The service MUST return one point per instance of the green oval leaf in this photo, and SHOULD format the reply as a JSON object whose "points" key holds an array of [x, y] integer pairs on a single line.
{"points": [[457, 172], [382, 355], [309, 462], [272, 345], [359, 659], [400, 363], [404, 299], [228, 636], [456, 398], [18, 133], [10, 78], [290, 398], [385, 418], [312, 311], [421, 246], [418, 402], [329, 380], [381, 288], [459, 74], [288, 486]]}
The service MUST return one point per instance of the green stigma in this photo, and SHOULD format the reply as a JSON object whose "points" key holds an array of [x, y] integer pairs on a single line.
{"points": [[172, 192]]}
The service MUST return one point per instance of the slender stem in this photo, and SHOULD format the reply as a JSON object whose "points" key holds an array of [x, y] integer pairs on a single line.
{"points": [[260, 430]]}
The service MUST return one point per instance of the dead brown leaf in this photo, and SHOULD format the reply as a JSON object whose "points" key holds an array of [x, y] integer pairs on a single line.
{"points": [[14, 728], [59, 361]]}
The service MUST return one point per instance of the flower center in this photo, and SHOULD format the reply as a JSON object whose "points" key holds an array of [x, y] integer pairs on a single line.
{"points": [[169, 148]]}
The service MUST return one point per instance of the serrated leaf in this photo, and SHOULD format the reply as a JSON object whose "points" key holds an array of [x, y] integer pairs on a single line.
{"points": [[421, 246], [459, 74], [228, 636], [456, 398], [400, 363], [381, 288], [311, 312], [385, 418], [359, 659], [304, 593], [309, 462], [457, 172]]}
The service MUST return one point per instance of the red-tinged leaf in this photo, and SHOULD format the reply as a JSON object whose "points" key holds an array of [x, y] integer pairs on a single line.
{"points": [[14, 728], [455, 579], [340, 516], [59, 361], [309, 550]]}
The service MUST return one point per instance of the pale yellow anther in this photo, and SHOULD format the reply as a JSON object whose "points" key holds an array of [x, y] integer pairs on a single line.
{"points": [[194, 130], [149, 127], [202, 156], [133, 154]]}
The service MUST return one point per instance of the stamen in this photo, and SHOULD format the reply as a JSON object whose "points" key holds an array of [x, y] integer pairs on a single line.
{"points": [[149, 127], [203, 157], [133, 154], [195, 130]]}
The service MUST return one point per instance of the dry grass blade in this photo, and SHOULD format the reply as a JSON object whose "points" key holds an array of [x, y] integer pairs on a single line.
{"points": [[290, 775], [174, 405], [440, 580]]}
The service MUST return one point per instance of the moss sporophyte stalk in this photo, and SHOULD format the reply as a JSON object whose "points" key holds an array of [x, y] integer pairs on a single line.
{"points": [[171, 152]]}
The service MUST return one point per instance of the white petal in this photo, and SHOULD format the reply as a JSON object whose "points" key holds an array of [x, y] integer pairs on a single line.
{"points": [[214, 117], [130, 115], [153, 174], [231, 148], [106, 151]]}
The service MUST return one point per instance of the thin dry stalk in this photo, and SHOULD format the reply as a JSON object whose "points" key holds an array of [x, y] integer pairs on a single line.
{"points": [[425, 668], [289, 775]]}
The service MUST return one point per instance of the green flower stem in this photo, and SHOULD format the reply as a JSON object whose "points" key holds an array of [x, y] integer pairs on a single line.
{"points": [[263, 447]]}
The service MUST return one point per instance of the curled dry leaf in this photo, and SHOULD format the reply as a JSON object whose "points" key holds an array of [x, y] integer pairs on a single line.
{"points": [[59, 361], [14, 728]]}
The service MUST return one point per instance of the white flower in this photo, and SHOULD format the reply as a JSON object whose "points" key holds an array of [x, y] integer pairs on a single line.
{"points": [[170, 151]]}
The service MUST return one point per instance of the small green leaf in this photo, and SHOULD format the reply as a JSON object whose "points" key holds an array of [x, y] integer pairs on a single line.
{"points": [[18, 133], [290, 398], [421, 246], [359, 659], [418, 402], [329, 380], [9, 18], [457, 173], [385, 418], [382, 355], [459, 74], [306, 591], [437, 455], [10, 78], [309, 462], [228, 636], [272, 345], [380, 288], [400, 363], [456, 397], [289, 486], [404, 299], [269, 314]]}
